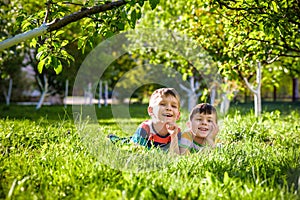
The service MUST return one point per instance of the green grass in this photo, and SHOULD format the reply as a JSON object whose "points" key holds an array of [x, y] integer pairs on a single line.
{"points": [[44, 156]]}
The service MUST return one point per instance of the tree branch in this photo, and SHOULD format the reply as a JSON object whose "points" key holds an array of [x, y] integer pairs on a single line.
{"points": [[48, 4], [251, 88], [285, 55], [286, 46], [71, 3], [59, 23], [238, 9]]}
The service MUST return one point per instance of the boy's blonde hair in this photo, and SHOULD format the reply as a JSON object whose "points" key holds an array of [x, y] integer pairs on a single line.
{"points": [[163, 92], [204, 108]]}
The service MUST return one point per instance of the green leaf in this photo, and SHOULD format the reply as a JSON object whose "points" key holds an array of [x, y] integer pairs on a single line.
{"points": [[25, 25], [141, 3], [64, 43], [58, 67], [66, 55], [275, 6], [40, 55], [120, 25], [226, 178], [54, 61], [204, 95], [41, 65], [59, 32], [184, 76], [108, 34], [56, 44], [48, 61], [82, 42], [138, 14], [133, 19], [33, 43], [153, 3]]}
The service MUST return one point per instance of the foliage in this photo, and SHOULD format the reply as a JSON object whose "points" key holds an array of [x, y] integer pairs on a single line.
{"points": [[45, 158], [14, 56], [101, 22], [55, 50], [236, 34]]}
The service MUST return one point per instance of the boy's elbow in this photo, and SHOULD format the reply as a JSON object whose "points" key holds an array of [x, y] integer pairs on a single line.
{"points": [[184, 151]]}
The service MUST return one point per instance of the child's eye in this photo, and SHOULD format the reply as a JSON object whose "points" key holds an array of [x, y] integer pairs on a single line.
{"points": [[174, 106]]}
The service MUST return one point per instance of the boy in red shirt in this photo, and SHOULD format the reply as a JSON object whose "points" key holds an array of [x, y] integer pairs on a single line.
{"points": [[161, 130]]}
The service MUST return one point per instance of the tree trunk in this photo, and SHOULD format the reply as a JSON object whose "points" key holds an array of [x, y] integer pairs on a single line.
{"points": [[106, 93], [191, 93], [66, 92], [257, 103], [100, 94], [245, 97], [224, 104], [256, 90], [44, 93], [9, 91], [192, 100], [295, 89], [274, 93], [8, 94], [88, 95], [213, 94]]}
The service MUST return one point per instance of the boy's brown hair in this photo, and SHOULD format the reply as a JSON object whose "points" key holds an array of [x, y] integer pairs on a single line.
{"points": [[204, 108], [163, 92]]}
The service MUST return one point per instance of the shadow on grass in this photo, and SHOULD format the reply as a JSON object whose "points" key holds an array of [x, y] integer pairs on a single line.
{"points": [[284, 107], [57, 113]]}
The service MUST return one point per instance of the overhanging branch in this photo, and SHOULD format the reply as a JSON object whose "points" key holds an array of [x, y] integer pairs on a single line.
{"points": [[59, 23]]}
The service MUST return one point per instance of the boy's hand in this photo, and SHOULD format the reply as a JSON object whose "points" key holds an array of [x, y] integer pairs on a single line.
{"points": [[214, 130], [172, 128], [210, 139]]}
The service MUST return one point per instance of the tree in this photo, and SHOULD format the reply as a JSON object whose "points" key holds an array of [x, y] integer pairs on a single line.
{"points": [[50, 38], [163, 46], [237, 34]]}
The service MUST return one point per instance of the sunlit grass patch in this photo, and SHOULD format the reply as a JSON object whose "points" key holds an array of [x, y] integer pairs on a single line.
{"points": [[46, 158]]}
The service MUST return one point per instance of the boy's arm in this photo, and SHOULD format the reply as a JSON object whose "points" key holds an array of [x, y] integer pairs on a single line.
{"points": [[184, 151], [185, 143], [141, 136], [173, 131], [174, 148], [210, 141]]}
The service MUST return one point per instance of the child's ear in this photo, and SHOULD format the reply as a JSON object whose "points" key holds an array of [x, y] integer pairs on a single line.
{"points": [[188, 124], [150, 111], [178, 116]]}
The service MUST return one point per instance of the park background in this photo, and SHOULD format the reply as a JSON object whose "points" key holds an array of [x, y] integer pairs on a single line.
{"points": [[253, 45]]}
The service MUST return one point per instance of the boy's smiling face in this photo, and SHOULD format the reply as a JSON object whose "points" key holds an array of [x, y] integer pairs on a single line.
{"points": [[202, 124], [165, 109]]}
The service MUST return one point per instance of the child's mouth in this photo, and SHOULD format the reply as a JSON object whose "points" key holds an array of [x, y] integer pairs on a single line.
{"points": [[203, 129], [167, 115]]}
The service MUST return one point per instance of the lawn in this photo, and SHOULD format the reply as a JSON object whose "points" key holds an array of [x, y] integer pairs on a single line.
{"points": [[45, 155]]}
